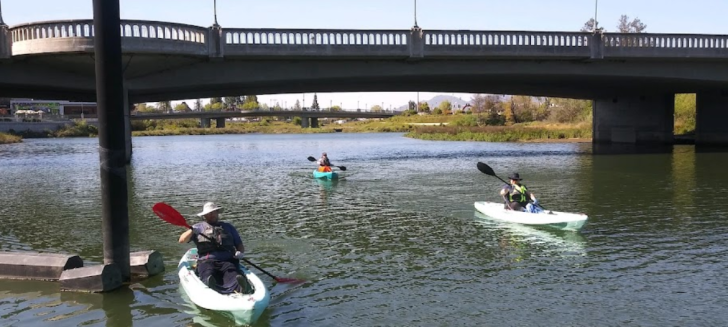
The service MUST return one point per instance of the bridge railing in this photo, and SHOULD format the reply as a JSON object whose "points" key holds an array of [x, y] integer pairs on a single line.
{"points": [[665, 45], [277, 42], [506, 43], [129, 29], [173, 38]]}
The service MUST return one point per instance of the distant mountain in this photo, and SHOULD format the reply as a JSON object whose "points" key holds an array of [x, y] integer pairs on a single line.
{"points": [[434, 102]]}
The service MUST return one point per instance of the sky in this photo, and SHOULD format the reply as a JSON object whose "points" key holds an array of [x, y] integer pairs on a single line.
{"points": [[676, 16]]}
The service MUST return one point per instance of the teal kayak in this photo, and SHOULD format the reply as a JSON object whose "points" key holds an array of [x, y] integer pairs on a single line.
{"points": [[329, 175], [245, 309]]}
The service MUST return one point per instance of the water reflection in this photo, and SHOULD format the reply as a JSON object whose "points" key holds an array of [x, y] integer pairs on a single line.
{"points": [[517, 236]]}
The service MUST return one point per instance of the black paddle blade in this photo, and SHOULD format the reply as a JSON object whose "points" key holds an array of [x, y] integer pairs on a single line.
{"points": [[342, 168], [485, 169], [311, 159]]}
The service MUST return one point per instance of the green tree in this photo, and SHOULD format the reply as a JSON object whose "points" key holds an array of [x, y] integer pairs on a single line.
{"points": [[424, 107], [231, 102], [143, 107], [182, 107], [335, 108], [437, 111], [685, 113], [444, 106], [589, 26], [198, 105], [165, 106], [249, 106], [630, 26], [376, 108], [216, 100], [411, 105], [251, 98], [315, 104], [217, 106], [508, 113], [297, 106]]}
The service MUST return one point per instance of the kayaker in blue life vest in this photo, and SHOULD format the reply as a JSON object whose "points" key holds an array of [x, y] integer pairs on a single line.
{"points": [[517, 197], [324, 163], [218, 260]]}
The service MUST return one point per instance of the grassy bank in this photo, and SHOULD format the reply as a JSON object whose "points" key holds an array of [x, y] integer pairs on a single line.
{"points": [[515, 133], [8, 138]]}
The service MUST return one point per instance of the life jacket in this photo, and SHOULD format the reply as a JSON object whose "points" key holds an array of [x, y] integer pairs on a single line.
{"points": [[223, 240], [518, 194]]}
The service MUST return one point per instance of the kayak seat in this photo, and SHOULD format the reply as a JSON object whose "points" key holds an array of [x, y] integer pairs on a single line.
{"points": [[245, 285]]}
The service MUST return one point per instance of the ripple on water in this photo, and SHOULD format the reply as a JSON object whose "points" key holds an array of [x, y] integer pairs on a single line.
{"points": [[397, 242]]}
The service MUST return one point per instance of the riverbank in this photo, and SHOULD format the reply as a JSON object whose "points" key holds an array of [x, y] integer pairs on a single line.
{"points": [[8, 138], [428, 127], [535, 132]]}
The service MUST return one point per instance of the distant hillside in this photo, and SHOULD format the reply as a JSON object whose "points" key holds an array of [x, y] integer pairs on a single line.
{"points": [[434, 102]]}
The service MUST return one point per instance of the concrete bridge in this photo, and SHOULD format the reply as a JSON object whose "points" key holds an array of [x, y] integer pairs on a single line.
{"points": [[631, 77], [309, 118]]}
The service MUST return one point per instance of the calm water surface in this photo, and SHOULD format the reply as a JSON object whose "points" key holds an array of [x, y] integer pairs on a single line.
{"points": [[397, 242]]}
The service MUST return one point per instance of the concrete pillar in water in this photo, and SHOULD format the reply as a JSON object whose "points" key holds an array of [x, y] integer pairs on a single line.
{"points": [[220, 122], [314, 122], [634, 119], [112, 144], [710, 121], [204, 122], [127, 126], [304, 122]]}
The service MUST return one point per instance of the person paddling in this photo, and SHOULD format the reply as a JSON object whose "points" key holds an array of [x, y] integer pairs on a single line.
{"points": [[324, 163], [219, 247], [517, 197]]}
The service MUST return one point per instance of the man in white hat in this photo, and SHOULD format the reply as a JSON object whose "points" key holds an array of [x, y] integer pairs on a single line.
{"points": [[219, 247]]}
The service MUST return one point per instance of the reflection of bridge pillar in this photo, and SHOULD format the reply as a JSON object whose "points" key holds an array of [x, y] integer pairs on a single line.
{"points": [[220, 123], [304, 122], [314, 122], [204, 122], [634, 119], [710, 120], [127, 125]]}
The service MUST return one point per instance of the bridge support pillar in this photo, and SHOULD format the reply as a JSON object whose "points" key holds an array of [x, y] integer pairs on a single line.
{"points": [[314, 122], [204, 122], [711, 115], [219, 122], [634, 119], [5, 38], [127, 126], [304, 122]]}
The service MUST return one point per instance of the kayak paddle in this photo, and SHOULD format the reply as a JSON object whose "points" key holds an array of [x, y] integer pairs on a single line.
{"points": [[312, 159], [172, 216], [485, 169]]}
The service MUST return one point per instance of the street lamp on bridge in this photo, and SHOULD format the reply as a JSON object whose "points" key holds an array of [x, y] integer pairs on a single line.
{"points": [[1, 14], [416, 14], [214, 8], [596, 8]]}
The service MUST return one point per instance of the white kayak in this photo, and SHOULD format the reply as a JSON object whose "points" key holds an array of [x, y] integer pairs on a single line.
{"points": [[560, 220], [245, 309]]}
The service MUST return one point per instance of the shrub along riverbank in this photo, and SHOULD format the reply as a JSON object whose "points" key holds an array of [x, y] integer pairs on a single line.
{"points": [[9, 138]]}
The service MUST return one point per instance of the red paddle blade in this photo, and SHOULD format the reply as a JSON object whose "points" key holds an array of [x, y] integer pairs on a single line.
{"points": [[289, 280], [169, 214]]}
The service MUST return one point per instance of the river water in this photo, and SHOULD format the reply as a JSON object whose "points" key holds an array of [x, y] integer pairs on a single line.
{"points": [[397, 242]]}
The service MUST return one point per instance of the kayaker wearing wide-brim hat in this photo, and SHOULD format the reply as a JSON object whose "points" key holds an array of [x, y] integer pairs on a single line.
{"points": [[516, 196], [324, 163], [219, 247]]}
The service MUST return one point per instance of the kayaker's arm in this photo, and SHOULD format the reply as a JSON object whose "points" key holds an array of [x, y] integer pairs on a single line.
{"points": [[186, 236], [240, 247]]}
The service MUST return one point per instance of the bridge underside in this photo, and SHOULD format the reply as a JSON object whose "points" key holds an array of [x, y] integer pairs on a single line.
{"points": [[642, 89]]}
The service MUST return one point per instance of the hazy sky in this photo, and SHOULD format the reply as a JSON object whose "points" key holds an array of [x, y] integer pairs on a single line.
{"points": [[676, 16]]}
